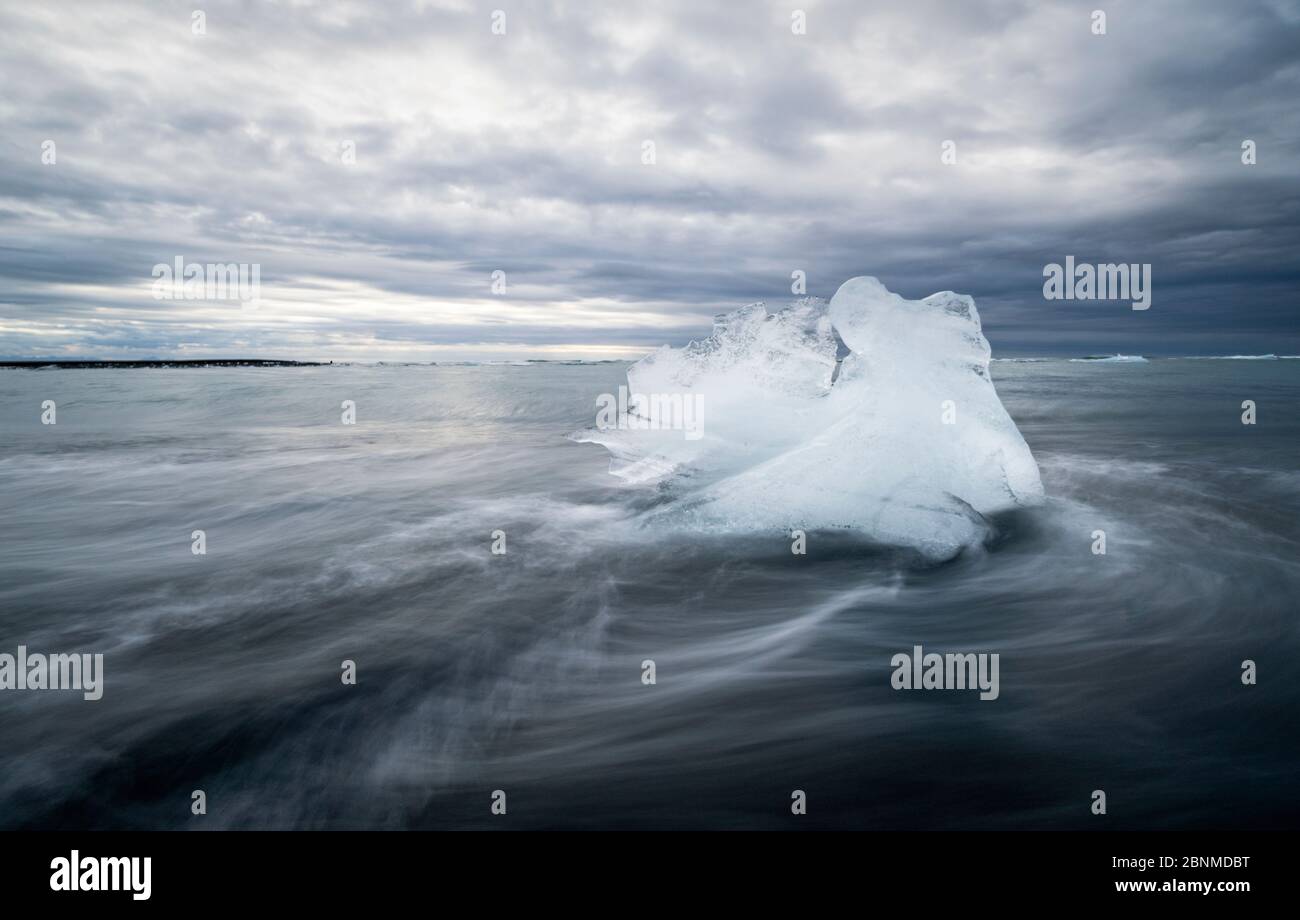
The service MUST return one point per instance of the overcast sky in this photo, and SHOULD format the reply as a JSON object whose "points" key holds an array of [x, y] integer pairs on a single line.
{"points": [[523, 152]]}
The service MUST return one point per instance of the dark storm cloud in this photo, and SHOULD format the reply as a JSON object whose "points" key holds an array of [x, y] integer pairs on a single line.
{"points": [[522, 152]]}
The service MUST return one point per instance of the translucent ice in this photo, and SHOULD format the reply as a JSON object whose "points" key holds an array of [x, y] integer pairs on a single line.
{"points": [[871, 412]]}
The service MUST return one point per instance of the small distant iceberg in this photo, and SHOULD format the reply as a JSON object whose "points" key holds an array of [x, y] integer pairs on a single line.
{"points": [[870, 412], [1242, 357], [1114, 359]]}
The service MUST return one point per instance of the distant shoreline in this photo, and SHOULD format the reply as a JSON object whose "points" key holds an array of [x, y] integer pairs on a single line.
{"points": [[534, 362], [273, 362], [187, 362]]}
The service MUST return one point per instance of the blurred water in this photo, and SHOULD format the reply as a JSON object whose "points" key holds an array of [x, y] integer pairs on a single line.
{"points": [[522, 672]]}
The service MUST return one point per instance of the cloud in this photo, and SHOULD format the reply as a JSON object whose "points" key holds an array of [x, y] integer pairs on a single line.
{"points": [[522, 152]]}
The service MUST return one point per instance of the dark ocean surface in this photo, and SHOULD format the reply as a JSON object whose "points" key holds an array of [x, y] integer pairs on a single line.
{"points": [[522, 672]]}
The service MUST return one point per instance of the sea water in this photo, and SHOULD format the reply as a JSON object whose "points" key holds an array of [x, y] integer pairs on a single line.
{"points": [[523, 671]]}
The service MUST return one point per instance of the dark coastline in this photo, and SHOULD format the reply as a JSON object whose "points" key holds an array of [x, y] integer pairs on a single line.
{"points": [[193, 362]]}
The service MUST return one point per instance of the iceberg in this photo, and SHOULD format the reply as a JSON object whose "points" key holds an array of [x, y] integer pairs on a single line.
{"points": [[1112, 359], [1243, 358], [870, 412]]}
